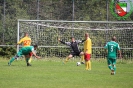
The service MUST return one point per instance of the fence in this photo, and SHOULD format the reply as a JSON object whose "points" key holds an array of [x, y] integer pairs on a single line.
{"points": [[45, 33]]}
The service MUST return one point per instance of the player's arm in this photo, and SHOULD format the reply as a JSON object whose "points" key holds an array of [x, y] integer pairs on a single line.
{"points": [[106, 48], [83, 41], [87, 46], [66, 43], [120, 56], [79, 41], [35, 55], [21, 40]]}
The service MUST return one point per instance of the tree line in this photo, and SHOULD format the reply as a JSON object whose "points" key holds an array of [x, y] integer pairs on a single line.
{"points": [[84, 10]]}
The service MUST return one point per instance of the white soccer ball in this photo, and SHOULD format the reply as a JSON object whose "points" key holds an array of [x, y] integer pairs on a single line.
{"points": [[78, 63]]}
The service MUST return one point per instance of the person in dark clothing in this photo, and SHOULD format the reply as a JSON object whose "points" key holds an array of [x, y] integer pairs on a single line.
{"points": [[75, 51]]}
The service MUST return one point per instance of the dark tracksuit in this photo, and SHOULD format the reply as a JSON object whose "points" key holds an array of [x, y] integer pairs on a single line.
{"points": [[74, 47]]}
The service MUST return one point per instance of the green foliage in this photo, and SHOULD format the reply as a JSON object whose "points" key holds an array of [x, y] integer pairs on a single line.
{"points": [[7, 52], [131, 16]]}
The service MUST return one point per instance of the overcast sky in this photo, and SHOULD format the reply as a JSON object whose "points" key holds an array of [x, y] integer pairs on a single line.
{"points": [[128, 4]]}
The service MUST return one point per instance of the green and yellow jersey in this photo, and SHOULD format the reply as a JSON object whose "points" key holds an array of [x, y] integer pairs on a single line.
{"points": [[26, 41]]}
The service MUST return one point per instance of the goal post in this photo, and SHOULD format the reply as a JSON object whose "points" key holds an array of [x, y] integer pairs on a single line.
{"points": [[45, 33]]}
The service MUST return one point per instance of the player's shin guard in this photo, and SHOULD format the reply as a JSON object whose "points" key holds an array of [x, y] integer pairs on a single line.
{"points": [[89, 65], [86, 64], [66, 60], [110, 67], [12, 59], [82, 58], [114, 67], [27, 60], [30, 60]]}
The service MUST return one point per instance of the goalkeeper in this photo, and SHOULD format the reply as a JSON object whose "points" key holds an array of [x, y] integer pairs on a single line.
{"points": [[26, 41], [25, 51], [74, 49]]}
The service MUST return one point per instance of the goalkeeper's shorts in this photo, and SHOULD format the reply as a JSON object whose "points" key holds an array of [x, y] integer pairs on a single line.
{"points": [[75, 53]]}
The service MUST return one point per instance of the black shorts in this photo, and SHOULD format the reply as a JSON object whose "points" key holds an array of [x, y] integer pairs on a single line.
{"points": [[75, 53]]}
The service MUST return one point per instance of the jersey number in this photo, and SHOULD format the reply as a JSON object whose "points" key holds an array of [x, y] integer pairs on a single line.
{"points": [[112, 48], [27, 42]]}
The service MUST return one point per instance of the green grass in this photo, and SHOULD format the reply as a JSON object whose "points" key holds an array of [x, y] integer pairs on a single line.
{"points": [[53, 74]]}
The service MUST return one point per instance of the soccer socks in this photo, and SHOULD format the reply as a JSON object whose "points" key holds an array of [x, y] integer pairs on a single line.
{"points": [[27, 60], [114, 68], [110, 67], [30, 60], [82, 58], [66, 60], [12, 59], [88, 65]]}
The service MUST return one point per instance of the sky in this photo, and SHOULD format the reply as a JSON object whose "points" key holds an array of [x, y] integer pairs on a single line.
{"points": [[128, 4]]}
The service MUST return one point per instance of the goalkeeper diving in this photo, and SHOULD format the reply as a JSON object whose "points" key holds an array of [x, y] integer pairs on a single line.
{"points": [[75, 51]]}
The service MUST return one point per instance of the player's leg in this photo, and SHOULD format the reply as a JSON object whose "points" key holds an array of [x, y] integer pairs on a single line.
{"points": [[110, 62], [12, 59], [89, 65], [86, 64], [68, 57], [15, 57], [27, 58], [30, 59], [30, 54], [114, 65], [87, 61], [82, 57]]}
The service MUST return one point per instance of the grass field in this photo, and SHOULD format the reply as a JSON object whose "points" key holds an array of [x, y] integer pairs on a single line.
{"points": [[53, 74]]}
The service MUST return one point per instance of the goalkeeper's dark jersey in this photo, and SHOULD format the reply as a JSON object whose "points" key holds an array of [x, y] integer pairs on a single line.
{"points": [[73, 45]]}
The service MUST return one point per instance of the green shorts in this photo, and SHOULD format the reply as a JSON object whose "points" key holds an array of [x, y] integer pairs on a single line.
{"points": [[20, 53], [23, 51], [111, 61]]}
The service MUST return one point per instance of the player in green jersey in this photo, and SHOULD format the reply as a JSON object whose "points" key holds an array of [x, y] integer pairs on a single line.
{"points": [[25, 51], [112, 48]]}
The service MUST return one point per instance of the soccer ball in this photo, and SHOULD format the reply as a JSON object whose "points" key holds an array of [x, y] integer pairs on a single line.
{"points": [[78, 63]]}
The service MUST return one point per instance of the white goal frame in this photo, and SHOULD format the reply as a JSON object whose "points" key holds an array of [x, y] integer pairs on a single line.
{"points": [[72, 27]]}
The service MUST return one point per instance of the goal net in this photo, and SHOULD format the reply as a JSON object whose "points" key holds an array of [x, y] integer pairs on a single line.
{"points": [[45, 33]]}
